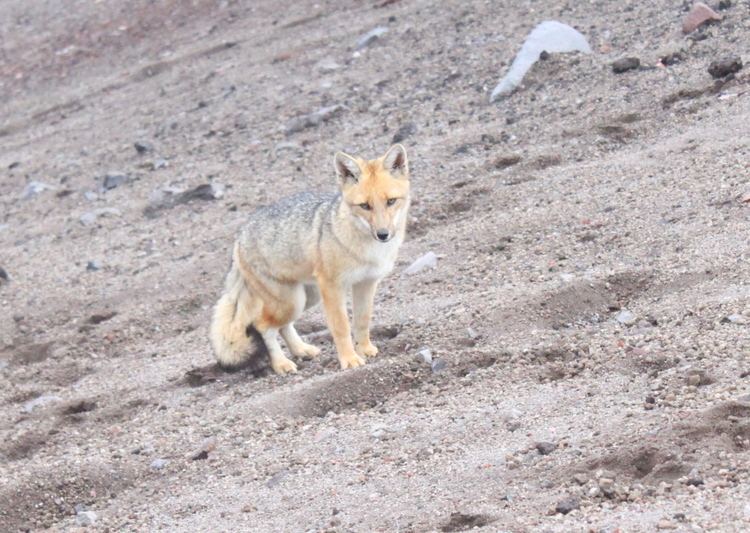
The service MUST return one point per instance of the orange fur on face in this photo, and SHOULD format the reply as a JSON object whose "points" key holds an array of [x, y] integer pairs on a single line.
{"points": [[374, 189]]}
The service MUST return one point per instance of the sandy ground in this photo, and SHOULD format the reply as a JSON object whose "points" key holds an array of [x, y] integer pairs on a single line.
{"points": [[590, 308]]}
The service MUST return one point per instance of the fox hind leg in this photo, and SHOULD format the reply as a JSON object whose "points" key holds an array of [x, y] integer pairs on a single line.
{"points": [[296, 345], [279, 362]]}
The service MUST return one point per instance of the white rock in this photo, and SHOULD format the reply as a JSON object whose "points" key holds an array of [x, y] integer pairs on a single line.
{"points": [[85, 518], [626, 317], [371, 36], [426, 355], [428, 260], [35, 187], [87, 219], [41, 401], [550, 36]]}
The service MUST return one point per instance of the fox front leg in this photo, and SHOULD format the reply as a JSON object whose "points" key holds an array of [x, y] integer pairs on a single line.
{"points": [[363, 294], [334, 304]]}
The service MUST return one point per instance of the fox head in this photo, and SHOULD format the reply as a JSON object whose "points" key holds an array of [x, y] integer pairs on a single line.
{"points": [[375, 192]]}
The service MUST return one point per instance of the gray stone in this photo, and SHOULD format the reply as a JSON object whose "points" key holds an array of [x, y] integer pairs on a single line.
{"points": [[566, 505], [626, 318], [143, 147], [724, 67], [404, 132], [93, 266], [438, 365], [33, 188], [426, 355], [113, 179], [624, 64], [545, 448], [40, 401], [85, 518], [312, 120], [370, 37], [90, 217], [428, 260], [158, 464]]}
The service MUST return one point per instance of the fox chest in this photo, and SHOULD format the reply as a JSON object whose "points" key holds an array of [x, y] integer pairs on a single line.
{"points": [[377, 264]]}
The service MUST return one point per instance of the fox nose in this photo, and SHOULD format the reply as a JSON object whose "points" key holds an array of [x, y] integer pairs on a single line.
{"points": [[382, 234]]}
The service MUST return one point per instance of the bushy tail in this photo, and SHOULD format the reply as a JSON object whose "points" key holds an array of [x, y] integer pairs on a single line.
{"points": [[233, 337]]}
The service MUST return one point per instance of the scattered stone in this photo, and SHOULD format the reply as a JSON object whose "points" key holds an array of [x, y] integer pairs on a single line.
{"points": [[428, 260], [725, 66], [158, 464], [370, 37], [699, 14], [607, 486], [626, 318], [101, 317], [168, 198], [90, 196], [328, 65], [465, 522], [566, 505], [207, 446], [438, 365], [93, 266], [624, 64], [14, 164], [85, 518], [312, 120], [745, 198], [113, 179], [505, 161], [698, 378], [734, 318], [206, 192], [580, 478], [545, 448], [90, 217], [695, 480], [277, 478], [725, 4], [248, 508], [404, 132], [426, 355], [666, 524], [550, 36], [33, 188], [143, 147], [4, 278], [40, 401]]}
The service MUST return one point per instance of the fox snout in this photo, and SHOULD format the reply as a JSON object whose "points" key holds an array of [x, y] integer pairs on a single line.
{"points": [[383, 235]]}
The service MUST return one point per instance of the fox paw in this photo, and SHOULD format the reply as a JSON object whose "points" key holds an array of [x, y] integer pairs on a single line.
{"points": [[306, 351], [283, 366], [353, 361], [367, 350]]}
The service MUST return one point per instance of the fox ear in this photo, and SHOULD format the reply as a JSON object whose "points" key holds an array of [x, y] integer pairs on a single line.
{"points": [[347, 169], [396, 162]]}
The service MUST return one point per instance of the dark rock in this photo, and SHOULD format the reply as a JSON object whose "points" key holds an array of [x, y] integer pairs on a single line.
{"points": [[725, 4], [624, 64], [405, 131], [545, 448], [312, 120], [725, 66], [505, 161], [4, 278], [114, 179], [465, 521], [101, 317], [206, 192], [671, 59], [564, 506], [200, 456], [93, 266], [695, 481], [143, 147]]}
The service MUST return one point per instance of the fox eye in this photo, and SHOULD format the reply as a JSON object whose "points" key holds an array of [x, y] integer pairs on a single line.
{"points": [[365, 206], [390, 201]]}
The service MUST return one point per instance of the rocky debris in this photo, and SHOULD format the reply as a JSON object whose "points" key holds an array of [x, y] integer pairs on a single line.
{"points": [[112, 180], [722, 68], [40, 401], [327, 64], [699, 378], [464, 522], [158, 464], [438, 365], [425, 356], [4, 278], [624, 64], [698, 15], [143, 147], [98, 318], [734, 318], [504, 161], [566, 505], [207, 446], [93, 266], [370, 37], [550, 36], [312, 120], [85, 518], [545, 448], [168, 198], [428, 260], [34, 188], [90, 217], [626, 318], [665, 524], [745, 198], [404, 132]]}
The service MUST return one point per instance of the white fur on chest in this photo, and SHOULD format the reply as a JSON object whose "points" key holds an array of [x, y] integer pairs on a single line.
{"points": [[379, 261]]}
